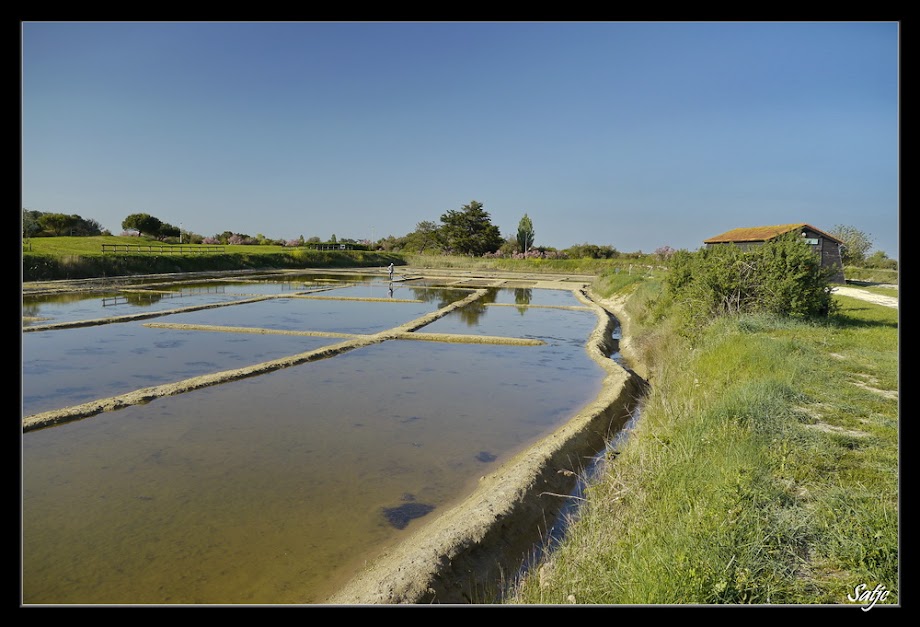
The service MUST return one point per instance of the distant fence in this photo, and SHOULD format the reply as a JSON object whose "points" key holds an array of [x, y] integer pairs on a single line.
{"points": [[173, 249], [336, 247]]}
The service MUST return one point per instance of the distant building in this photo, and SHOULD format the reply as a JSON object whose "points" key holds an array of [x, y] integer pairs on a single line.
{"points": [[824, 245]]}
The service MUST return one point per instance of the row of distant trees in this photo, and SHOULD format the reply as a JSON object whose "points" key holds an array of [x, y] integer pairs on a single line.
{"points": [[469, 231], [465, 231], [45, 224], [856, 247]]}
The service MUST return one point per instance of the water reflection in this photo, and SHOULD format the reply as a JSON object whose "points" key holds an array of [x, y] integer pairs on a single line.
{"points": [[143, 298], [67, 367], [276, 488], [522, 296], [441, 297], [473, 313], [101, 305]]}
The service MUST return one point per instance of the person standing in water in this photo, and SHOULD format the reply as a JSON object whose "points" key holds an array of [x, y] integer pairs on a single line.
{"points": [[390, 270]]}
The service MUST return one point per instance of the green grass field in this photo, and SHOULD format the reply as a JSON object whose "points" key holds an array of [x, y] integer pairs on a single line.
{"points": [[48, 258], [871, 275], [92, 246], [53, 258], [764, 469]]}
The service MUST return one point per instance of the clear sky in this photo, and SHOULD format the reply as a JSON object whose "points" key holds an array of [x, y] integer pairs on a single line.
{"points": [[630, 134]]}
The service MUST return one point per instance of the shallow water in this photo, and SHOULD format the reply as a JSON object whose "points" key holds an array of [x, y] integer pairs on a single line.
{"points": [[71, 366], [56, 308], [275, 489], [293, 314]]}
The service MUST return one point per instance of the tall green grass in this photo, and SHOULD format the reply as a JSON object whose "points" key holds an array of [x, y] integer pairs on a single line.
{"points": [[763, 469]]}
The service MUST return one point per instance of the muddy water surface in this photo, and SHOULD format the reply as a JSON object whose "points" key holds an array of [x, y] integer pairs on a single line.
{"points": [[276, 489]]}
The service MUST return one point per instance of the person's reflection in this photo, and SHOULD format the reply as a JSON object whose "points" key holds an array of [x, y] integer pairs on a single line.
{"points": [[391, 290]]}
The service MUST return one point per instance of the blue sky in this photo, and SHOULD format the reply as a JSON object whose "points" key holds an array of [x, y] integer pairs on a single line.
{"points": [[630, 134]]}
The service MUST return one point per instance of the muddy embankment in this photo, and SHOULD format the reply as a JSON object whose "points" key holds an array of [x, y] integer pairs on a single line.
{"points": [[468, 553]]}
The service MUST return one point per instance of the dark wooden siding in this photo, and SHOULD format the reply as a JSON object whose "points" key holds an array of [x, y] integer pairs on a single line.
{"points": [[827, 249]]}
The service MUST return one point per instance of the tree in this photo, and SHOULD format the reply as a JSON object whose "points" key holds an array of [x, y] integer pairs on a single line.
{"points": [[509, 247], [42, 223], [470, 231], [426, 235], [168, 230], [856, 244], [30, 225], [58, 223], [143, 223], [879, 259], [87, 227], [664, 252], [525, 234], [391, 243]]}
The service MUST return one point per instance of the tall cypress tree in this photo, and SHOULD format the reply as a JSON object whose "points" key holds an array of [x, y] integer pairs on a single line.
{"points": [[525, 234]]}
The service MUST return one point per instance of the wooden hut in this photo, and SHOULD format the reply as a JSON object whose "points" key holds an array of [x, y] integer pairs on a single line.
{"points": [[824, 245]]}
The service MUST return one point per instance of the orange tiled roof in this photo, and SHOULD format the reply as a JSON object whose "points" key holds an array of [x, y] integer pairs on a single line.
{"points": [[761, 233]]}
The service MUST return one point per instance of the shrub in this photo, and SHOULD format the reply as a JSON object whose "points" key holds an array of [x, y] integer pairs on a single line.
{"points": [[792, 281], [782, 277]]}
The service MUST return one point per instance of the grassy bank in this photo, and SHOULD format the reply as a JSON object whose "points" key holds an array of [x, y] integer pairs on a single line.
{"points": [[871, 275], [764, 469], [50, 258], [553, 266]]}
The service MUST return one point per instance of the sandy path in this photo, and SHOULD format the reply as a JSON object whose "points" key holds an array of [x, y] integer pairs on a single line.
{"points": [[866, 295]]}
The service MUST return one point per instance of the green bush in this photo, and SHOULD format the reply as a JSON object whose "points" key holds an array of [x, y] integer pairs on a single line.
{"points": [[782, 277], [792, 281]]}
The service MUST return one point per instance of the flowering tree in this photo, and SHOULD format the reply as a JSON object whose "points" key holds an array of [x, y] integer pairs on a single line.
{"points": [[664, 252]]}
